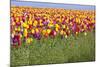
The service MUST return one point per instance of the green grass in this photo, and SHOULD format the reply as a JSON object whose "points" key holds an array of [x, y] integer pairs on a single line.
{"points": [[57, 50]]}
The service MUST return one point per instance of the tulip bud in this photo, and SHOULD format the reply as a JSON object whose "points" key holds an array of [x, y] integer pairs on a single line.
{"points": [[85, 33], [66, 36], [61, 32], [76, 33]]}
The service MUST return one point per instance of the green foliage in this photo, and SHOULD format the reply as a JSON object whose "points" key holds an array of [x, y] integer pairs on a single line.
{"points": [[49, 51]]}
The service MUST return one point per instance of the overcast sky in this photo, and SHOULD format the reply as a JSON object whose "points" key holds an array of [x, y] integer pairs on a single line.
{"points": [[53, 5]]}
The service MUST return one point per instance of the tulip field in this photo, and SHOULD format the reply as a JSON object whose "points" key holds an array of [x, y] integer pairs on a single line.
{"points": [[51, 35]]}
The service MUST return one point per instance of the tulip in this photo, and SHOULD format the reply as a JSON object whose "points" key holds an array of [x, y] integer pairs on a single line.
{"points": [[19, 29], [66, 36], [33, 31], [85, 33], [35, 23], [13, 23], [16, 39], [48, 31], [29, 40], [53, 33], [25, 33], [56, 29], [38, 22], [61, 32], [37, 36], [43, 32], [30, 22], [24, 25], [54, 22], [45, 23], [63, 26], [37, 30]]}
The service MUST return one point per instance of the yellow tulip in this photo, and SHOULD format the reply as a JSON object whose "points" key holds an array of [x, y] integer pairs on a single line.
{"points": [[85, 26], [28, 41], [24, 25], [63, 26], [17, 19], [33, 31], [35, 23], [30, 22], [25, 32], [57, 29], [93, 21], [61, 32], [27, 26], [20, 35], [18, 29], [56, 25], [64, 32], [40, 20], [67, 28], [50, 25], [48, 31], [76, 19], [43, 32], [37, 30], [41, 24]]}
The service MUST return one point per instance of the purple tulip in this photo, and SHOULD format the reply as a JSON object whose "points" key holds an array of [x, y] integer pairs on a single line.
{"points": [[37, 36], [63, 22], [45, 23]]}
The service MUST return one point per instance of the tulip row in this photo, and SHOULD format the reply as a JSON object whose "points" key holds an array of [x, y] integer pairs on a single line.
{"points": [[29, 22]]}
